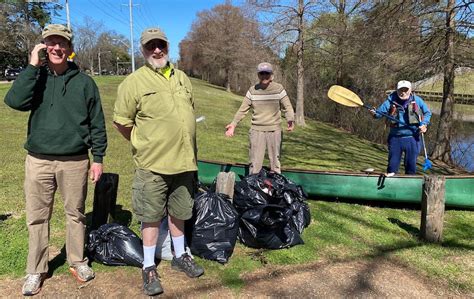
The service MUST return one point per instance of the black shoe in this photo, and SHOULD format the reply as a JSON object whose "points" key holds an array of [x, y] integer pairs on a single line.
{"points": [[151, 281], [186, 264]]}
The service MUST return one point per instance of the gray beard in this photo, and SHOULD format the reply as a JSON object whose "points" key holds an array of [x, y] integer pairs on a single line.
{"points": [[158, 65]]}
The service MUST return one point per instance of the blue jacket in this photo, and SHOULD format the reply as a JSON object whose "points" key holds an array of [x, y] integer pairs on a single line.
{"points": [[404, 128]]}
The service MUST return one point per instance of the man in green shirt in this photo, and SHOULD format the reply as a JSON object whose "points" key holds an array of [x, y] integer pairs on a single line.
{"points": [[66, 120], [266, 99], [155, 112]]}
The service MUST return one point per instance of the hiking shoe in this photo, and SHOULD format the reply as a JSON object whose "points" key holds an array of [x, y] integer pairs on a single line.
{"points": [[186, 264], [32, 284], [151, 281], [82, 273]]}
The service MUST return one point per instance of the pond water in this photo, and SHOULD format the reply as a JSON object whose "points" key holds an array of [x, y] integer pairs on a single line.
{"points": [[463, 146]]}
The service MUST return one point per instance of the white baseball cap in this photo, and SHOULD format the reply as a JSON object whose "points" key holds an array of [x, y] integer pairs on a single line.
{"points": [[404, 83]]}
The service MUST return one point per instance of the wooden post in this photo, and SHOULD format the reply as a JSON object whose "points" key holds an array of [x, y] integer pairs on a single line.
{"points": [[225, 183], [432, 208]]}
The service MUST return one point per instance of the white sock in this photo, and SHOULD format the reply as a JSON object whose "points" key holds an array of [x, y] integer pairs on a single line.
{"points": [[178, 244], [148, 256]]}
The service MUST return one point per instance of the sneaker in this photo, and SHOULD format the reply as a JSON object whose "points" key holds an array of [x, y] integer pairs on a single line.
{"points": [[186, 264], [151, 281], [82, 273], [32, 284]]}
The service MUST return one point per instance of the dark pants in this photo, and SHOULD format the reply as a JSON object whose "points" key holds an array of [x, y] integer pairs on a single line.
{"points": [[399, 145]]}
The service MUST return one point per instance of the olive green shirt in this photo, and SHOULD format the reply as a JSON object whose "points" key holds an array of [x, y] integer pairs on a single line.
{"points": [[160, 111]]}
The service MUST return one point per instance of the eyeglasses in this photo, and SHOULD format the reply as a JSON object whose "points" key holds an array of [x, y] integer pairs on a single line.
{"points": [[61, 44], [264, 73], [156, 43], [403, 90]]}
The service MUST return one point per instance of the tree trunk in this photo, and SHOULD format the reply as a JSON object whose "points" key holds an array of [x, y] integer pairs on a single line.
{"points": [[227, 79], [442, 149], [337, 117], [299, 117], [225, 182], [432, 208]]}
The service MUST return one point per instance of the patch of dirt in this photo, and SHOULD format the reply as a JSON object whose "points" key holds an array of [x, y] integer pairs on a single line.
{"points": [[367, 279]]}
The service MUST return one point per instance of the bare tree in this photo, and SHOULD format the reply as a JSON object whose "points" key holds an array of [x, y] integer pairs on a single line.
{"points": [[442, 149], [287, 27], [85, 43], [222, 45]]}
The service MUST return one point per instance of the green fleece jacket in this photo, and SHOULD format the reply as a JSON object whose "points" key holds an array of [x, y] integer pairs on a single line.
{"points": [[66, 113]]}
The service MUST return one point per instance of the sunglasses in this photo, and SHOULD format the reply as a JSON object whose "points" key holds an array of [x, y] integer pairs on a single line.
{"points": [[156, 43], [264, 73]]}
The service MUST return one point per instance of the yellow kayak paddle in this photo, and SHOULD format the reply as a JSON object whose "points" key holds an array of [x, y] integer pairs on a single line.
{"points": [[348, 98]]}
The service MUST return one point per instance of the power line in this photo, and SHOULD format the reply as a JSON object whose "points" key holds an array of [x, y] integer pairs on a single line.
{"points": [[110, 15], [113, 8], [147, 17]]}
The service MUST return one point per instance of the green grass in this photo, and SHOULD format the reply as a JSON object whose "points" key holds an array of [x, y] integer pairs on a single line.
{"points": [[338, 232], [462, 84], [459, 108]]}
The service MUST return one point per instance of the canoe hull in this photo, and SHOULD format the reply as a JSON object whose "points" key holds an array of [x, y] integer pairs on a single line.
{"points": [[358, 186]]}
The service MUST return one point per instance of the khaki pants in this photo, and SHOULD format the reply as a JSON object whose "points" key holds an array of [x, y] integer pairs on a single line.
{"points": [[43, 176], [259, 141]]}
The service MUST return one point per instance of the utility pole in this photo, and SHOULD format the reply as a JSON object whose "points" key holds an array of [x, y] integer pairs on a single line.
{"points": [[100, 69], [131, 36], [98, 56], [130, 6], [67, 15]]}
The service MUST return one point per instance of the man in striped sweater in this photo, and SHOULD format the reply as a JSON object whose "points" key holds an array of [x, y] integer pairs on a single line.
{"points": [[267, 100]]}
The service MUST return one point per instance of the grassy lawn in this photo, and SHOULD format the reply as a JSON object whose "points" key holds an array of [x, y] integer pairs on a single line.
{"points": [[338, 232], [458, 108], [462, 84]]}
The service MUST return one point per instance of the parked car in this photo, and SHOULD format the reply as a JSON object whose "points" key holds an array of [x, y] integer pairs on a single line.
{"points": [[12, 74]]}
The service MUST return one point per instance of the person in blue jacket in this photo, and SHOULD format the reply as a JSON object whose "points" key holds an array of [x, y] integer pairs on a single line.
{"points": [[413, 117]]}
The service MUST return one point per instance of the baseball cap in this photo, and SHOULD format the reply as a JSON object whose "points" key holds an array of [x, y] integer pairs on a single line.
{"points": [[152, 33], [57, 29], [404, 83], [265, 67]]}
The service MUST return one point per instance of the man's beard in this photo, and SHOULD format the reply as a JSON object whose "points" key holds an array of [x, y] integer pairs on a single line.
{"points": [[158, 63]]}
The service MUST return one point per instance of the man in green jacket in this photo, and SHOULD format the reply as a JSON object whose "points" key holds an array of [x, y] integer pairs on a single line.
{"points": [[155, 112], [66, 120]]}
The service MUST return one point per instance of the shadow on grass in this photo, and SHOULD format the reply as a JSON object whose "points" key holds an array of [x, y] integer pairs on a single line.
{"points": [[118, 215], [57, 261], [4, 217], [374, 203], [415, 232]]}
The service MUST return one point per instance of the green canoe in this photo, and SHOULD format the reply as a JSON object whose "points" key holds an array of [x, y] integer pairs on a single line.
{"points": [[358, 186]]}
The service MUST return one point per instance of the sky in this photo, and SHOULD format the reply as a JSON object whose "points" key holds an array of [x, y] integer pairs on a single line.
{"points": [[174, 17]]}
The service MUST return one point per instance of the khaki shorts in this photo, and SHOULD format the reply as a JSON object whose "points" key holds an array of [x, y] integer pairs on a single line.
{"points": [[156, 195]]}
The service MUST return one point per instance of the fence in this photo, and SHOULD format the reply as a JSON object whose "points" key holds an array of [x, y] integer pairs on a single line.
{"points": [[459, 98]]}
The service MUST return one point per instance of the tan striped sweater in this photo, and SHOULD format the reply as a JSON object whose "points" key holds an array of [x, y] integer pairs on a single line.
{"points": [[266, 105]]}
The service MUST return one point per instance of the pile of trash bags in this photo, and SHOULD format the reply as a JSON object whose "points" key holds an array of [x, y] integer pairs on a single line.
{"points": [[268, 211], [272, 209]]}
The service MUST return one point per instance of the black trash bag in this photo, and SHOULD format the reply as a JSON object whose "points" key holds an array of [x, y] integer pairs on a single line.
{"points": [[273, 211], [215, 226], [268, 227], [105, 198], [115, 245]]}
